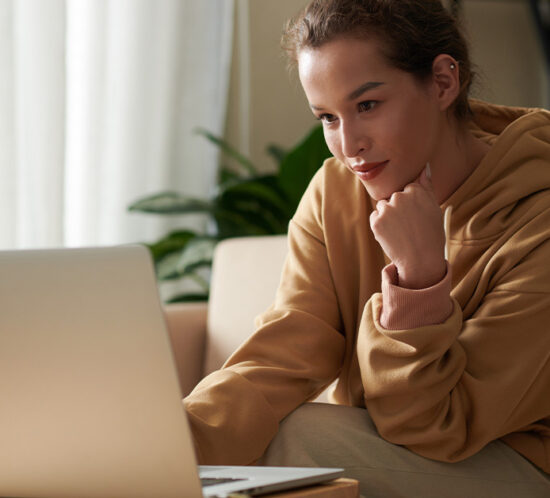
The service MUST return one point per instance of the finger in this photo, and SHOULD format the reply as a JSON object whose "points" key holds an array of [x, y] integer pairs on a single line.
{"points": [[425, 177], [382, 204], [373, 218]]}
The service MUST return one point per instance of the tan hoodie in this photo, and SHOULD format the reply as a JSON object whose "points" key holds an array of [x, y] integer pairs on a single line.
{"points": [[443, 390]]}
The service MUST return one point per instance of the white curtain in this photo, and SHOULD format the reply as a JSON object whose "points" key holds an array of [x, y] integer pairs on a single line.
{"points": [[98, 103]]}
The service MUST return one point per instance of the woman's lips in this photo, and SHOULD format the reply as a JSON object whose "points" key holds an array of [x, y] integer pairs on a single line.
{"points": [[369, 171]]}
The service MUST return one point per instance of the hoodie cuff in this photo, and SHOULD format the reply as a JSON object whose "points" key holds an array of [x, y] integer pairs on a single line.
{"points": [[411, 308]]}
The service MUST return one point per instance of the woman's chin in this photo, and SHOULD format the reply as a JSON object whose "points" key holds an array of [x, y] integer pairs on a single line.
{"points": [[377, 192]]}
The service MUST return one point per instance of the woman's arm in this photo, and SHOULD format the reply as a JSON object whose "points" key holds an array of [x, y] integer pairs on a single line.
{"points": [[296, 351], [445, 390], [409, 228]]}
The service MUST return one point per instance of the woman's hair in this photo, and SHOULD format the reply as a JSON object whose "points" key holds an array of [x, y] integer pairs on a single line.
{"points": [[412, 33]]}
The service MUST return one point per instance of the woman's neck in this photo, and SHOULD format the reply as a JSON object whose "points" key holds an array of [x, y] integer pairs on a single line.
{"points": [[458, 156]]}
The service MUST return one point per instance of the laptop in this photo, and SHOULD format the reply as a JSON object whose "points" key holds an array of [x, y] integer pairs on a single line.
{"points": [[90, 401]]}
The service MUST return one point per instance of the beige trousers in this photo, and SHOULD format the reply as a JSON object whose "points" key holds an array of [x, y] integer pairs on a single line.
{"points": [[323, 435]]}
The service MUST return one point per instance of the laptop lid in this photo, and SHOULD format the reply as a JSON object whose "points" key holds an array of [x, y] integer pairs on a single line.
{"points": [[90, 398], [91, 405]]}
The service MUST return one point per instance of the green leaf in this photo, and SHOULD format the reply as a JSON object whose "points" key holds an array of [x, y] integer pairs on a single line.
{"points": [[240, 221], [197, 253], [167, 267], [227, 175], [189, 297], [229, 151], [254, 208], [262, 189], [171, 203], [301, 163], [276, 152], [173, 242]]}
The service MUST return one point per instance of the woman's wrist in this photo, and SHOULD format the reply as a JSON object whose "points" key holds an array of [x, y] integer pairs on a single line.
{"points": [[406, 308], [421, 276]]}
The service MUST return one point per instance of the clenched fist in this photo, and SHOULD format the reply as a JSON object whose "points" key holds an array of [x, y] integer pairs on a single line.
{"points": [[409, 227]]}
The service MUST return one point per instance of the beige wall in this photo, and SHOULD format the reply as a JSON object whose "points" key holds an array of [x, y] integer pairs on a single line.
{"points": [[507, 52], [267, 105]]}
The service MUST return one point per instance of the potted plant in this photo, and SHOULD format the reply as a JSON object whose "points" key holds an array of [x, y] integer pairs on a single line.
{"points": [[245, 202]]}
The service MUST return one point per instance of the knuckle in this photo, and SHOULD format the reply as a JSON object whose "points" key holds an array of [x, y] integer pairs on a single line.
{"points": [[376, 224]]}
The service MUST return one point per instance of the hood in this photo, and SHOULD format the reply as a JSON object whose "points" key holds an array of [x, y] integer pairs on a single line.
{"points": [[509, 181]]}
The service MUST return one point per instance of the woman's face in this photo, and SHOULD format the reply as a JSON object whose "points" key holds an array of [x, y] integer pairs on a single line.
{"points": [[378, 120]]}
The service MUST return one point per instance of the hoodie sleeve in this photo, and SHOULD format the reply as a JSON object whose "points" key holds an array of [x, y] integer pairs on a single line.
{"points": [[446, 390], [296, 351]]}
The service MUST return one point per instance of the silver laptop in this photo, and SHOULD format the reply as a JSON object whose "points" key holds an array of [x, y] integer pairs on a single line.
{"points": [[90, 402]]}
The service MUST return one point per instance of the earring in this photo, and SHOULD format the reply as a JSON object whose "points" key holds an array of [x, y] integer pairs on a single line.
{"points": [[452, 66]]}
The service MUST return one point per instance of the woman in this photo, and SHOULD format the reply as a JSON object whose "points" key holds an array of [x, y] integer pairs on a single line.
{"points": [[437, 338]]}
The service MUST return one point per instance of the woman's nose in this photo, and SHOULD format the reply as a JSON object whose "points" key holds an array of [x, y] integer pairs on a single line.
{"points": [[353, 140]]}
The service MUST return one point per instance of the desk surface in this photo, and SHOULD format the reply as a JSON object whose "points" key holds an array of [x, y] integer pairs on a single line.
{"points": [[339, 488]]}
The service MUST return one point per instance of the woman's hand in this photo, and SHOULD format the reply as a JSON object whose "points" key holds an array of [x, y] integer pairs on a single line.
{"points": [[409, 227]]}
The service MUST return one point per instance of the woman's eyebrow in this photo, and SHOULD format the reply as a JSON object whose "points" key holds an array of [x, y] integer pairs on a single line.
{"points": [[365, 87]]}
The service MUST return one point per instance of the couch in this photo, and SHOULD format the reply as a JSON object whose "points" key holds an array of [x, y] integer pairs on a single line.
{"points": [[245, 276]]}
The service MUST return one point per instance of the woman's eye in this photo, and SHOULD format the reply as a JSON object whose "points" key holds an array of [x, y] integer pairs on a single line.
{"points": [[368, 105], [327, 118]]}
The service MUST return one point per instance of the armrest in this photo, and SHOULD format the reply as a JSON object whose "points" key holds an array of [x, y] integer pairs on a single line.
{"points": [[186, 324]]}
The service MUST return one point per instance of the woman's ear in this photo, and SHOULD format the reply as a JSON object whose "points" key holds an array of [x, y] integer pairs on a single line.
{"points": [[446, 79]]}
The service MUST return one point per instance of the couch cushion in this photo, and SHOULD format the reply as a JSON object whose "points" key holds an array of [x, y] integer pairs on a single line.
{"points": [[245, 276]]}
